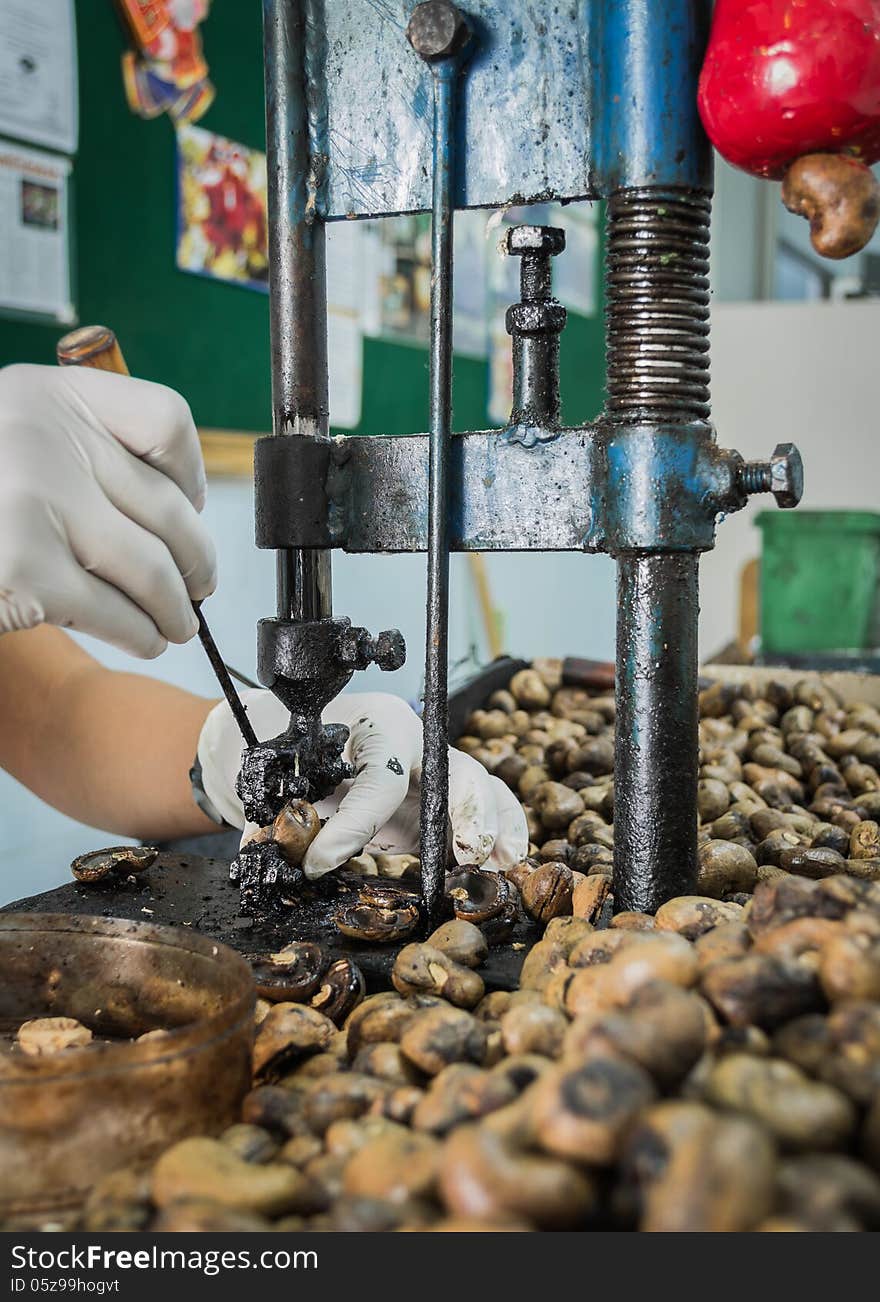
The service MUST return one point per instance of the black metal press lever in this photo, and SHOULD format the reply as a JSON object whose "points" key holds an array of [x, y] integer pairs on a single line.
{"points": [[438, 33]]}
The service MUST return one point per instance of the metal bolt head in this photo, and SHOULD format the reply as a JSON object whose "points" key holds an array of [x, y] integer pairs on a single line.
{"points": [[549, 240], [786, 475], [390, 649], [437, 29]]}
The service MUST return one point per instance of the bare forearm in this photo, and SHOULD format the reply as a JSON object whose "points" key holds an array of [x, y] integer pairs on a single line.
{"points": [[110, 749]]}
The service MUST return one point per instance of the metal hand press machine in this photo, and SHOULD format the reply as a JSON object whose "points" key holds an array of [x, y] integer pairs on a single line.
{"points": [[377, 108]]}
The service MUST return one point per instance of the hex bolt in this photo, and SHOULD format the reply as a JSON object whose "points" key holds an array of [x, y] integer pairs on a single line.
{"points": [[357, 650], [536, 245], [535, 324], [782, 475], [437, 30]]}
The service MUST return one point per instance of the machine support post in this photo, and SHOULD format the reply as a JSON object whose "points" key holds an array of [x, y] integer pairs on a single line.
{"points": [[297, 282], [435, 719], [656, 748], [657, 322], [657, 167]]}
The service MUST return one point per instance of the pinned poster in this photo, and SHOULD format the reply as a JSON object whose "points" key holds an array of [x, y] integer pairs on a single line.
{"points": [[575, 270], [397, 287], [222, 232], [167, 71], [221, 208], [470, 319], [38, 82], [34, 244], [345, 334]]}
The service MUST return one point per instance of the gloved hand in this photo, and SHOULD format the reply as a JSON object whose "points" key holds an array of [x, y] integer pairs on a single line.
{"points": [[379, 808], [101, 484]]}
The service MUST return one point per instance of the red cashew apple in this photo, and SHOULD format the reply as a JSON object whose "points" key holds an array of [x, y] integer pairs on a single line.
{"points": [[786, 86]]}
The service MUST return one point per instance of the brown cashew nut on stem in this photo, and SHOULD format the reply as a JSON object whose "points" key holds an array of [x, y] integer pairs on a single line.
{"points": [[840, 198]]}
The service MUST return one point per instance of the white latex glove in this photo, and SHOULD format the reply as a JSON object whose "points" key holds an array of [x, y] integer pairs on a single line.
{"points": [[101, 482], [379, 808]]}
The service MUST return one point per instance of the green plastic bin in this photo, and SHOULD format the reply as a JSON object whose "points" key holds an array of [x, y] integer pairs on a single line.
{"points": [[820, 579]]}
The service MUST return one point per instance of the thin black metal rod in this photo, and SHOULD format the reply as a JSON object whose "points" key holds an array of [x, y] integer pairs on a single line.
{"points": [[241, 677], [297, 279], [303, 581], [239, 713], [656, 738], [435, 720]]}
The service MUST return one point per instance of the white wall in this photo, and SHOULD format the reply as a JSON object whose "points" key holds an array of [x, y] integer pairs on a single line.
{"points": [[744, 217], [805, 373]]}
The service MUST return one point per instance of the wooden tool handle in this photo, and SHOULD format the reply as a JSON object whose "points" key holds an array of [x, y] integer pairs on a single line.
{"points": [[95, 346]]}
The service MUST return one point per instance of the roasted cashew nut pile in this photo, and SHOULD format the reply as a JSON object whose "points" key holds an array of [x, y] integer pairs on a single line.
{"points": [[715, 1067]]}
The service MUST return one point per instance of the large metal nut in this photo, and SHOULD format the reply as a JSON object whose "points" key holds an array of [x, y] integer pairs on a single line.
{"points": [[534, 239], [786, 475], [437, 29], [390, 653], [544, 317], [355, 648]]}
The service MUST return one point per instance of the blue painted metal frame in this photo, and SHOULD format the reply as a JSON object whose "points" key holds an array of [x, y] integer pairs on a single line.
{"points": [[523, 132], [592, 488], [563, 100], [646, 56], [569, 98]]}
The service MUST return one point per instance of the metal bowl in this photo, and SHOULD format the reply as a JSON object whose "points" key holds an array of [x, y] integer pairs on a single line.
{"points": [[68, 1118]]}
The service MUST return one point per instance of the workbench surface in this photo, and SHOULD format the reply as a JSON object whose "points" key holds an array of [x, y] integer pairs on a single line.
{"points": [[183, 890]]}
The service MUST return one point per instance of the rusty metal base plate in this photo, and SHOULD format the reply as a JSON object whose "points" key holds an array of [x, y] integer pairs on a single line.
{"points": [[185, 890]]}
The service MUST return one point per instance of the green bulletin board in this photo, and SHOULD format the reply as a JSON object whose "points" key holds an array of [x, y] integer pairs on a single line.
{"points": [[207, 338]]}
